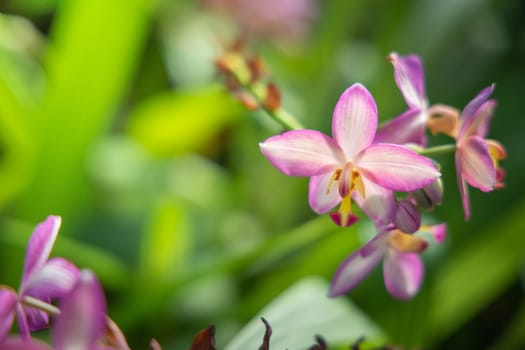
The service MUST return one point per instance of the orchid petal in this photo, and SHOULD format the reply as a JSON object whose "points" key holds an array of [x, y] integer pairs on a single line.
{"points": [[406, 243], [477, 166], [408, 127], [8, 300], [403, 274], [462, 186], [469, 113], [357, 266], [497, 150], [21, 318], [35, 319], [439, 232], [17, 343], [379, 204], [354, 122], [302, 152], [395, 167], [409, 76], [40, 245], [82, 319], [323, 195], [478, 125], [54, 280]]}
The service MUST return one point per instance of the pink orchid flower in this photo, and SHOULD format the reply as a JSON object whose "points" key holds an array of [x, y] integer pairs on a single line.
{"points": [[42, 279], [410, 126], [82, 320], [403, 268], [349, 164], [476, 157], [16, 343], [80, 324]]}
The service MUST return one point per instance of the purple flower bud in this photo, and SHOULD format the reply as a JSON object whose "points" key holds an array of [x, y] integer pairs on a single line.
{"points": [[407, 218], [429, 196]]}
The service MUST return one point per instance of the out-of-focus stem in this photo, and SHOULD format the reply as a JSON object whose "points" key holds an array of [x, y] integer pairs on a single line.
{"points": [[259, 92], [437, 150], [40, 305]]}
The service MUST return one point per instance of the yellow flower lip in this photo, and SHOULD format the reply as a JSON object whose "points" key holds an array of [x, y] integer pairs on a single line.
{"points": [[407, 243]]}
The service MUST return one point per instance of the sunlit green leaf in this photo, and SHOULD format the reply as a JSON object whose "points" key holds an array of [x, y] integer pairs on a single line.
{"points": [[182, 122], [165, 241], [93, 50], [302, 312], [19, 84]]}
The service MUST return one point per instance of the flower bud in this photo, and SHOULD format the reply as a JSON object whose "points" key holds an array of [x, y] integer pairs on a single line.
{"points": [[430, 195], [407, 218]]}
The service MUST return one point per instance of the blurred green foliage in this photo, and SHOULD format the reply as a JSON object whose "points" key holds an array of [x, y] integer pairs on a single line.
{"points": [[111, 116]]}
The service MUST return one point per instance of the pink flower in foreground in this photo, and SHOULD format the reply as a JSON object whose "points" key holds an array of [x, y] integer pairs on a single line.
{"points": [[349, 164], [16, 343], [81, 322], [477, 158], [410, 126], [42, 279], [403, 268]]}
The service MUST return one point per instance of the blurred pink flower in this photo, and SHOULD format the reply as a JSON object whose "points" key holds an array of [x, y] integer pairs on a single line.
{"points": [[81, 323], [82, 320], [42, 279], [274, 19], [403, 268], [410, 126], [476, 157]]}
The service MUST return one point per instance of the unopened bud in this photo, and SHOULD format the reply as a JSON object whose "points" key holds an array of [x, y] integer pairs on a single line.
{"points": [[273, 97], [256, 66], [247, 100], [407, 218], [443, 120], [430, 195]]}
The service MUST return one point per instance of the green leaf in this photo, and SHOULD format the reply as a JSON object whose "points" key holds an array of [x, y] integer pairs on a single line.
{"points": [[18, 82], [477, 273], [93, 50], [184, 122], [513, 336], [165, 243], [302, 312]]}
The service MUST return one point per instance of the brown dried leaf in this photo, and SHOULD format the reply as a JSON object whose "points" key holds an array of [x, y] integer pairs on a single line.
{"points": [[113, 336], [267, 334], [321, 344], [204, 340], [355, 346]]}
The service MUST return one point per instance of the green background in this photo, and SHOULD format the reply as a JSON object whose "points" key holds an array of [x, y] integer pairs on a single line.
{"points": [[112, 116]]}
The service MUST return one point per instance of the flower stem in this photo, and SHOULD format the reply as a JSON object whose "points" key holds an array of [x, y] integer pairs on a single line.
{"points": [[437, 150], [41, 305], [280, 115], [259, 93]]}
